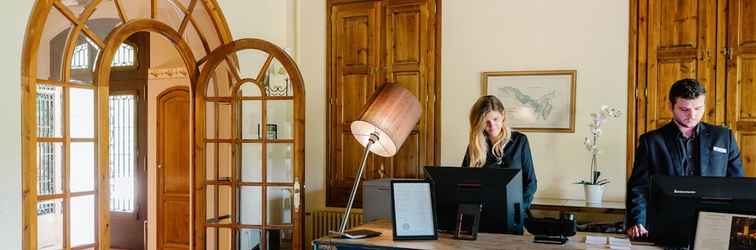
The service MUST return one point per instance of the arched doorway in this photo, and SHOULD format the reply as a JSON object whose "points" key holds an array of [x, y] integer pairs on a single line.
{"points": [[65, 138], [249, 130]]}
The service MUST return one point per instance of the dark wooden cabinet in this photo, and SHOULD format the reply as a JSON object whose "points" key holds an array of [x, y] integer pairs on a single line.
{"points": [[371, 43], [713, 41]]}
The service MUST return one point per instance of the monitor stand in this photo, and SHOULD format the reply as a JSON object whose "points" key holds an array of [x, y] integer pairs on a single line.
{"points": [[468, 221]]}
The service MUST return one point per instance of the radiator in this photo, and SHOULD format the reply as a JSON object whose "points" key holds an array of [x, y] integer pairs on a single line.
{"points": [[325, 220]]}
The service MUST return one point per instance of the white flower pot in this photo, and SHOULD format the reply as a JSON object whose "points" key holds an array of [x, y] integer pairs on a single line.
{"points": [[593, 193]]}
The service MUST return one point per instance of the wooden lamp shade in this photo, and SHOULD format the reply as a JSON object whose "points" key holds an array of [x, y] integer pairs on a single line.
{"points": [[391, 113]]}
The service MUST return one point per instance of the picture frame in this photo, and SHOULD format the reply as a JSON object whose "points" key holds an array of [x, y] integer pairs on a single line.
{"points": [[535, 101], [413, 211]]}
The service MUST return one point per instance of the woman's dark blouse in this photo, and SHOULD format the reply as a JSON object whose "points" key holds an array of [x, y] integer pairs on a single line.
{"points": [[516, 155]]}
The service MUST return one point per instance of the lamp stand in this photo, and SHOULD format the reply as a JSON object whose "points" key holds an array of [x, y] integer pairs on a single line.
{"points": [[347, 212]]}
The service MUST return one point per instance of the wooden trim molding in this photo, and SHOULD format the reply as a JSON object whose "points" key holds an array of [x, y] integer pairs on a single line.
{"points": [[168, 73], [632, 87]]}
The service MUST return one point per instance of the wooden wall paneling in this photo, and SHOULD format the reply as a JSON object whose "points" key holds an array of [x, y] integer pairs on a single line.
{"points": [[407, 42], [709, 40], [370, 43], [354, 61], [741, 79], [678, 37]]}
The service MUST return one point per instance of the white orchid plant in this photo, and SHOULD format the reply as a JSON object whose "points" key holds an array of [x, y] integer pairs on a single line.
{"points": [[591, 142]]}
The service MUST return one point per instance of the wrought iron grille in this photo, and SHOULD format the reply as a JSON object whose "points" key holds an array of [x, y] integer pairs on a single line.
{"points": [[46, 151], [122, 152]]}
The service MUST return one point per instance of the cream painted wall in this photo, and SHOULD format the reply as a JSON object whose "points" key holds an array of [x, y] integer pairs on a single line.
{"points": [[13, 18], [493, 35]]}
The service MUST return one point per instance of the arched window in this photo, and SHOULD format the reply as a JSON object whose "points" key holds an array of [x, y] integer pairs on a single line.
{"points": [[125, 56]]}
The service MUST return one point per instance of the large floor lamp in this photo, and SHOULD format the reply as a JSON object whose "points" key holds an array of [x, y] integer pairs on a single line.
{"points": [[386, 121]]}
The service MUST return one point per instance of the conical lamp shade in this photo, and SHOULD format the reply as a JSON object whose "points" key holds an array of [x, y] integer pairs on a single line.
{"points": [[391, 113]]}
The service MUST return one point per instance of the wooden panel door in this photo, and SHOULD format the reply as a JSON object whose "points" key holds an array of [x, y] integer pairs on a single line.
{"points": [[681, 44], [741, 79], [173, 169], [354, 56], [410, 42]]}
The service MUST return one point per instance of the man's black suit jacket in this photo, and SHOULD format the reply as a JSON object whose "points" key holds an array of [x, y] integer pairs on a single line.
{"points": [[719, 156]]}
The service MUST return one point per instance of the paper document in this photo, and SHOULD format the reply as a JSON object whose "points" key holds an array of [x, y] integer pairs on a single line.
{"points": [[413, 209]]}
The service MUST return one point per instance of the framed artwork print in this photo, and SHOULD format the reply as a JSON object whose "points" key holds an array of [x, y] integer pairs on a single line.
{"points": [[536, 101]]}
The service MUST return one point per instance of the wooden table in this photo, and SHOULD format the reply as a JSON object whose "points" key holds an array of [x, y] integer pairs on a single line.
{"points": [[565, 205], [446, 241]]}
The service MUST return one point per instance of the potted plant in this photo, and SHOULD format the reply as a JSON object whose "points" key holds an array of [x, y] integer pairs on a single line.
{"points": [[594, 185]]}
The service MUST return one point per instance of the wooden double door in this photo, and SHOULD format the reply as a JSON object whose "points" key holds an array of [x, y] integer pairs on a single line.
{"points": [[370, 43], [713, 41]]}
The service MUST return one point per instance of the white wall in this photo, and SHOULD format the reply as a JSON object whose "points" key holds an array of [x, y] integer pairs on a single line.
{"points": [[494, 35], [13, 18]]}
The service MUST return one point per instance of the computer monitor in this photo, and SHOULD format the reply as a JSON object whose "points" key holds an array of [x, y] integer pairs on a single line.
{"points": [[498, 190], [674, 201]]}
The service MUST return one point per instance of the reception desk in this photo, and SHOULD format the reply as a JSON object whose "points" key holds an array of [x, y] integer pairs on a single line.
{"points": [[446, 241]]}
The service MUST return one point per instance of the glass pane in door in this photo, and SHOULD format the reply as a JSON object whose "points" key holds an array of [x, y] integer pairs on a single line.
{"points": [[82, 220], [251, 116], [250, 238], [280, 118], [50, 224], [82, 167], [49, 168], [249, 205], [280, 239], [122, 152], [280, 205], [280, 162], [82, 113], [251, 162]]}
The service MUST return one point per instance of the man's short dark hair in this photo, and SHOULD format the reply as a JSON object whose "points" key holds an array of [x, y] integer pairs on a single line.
{"points": [[688, 89]]}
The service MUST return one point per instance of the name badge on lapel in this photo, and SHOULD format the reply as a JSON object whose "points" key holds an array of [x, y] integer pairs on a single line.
{"points": [[721, 150]]}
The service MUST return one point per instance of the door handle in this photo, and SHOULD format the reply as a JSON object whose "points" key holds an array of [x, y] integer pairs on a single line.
{"points": [[297, 191]]}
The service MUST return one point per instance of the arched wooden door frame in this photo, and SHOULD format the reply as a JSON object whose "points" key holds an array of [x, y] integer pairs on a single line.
{"points": [[102, 78], [213, 60]]}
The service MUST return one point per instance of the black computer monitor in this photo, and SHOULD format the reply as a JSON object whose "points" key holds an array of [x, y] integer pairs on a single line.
{"points": [[674, 201], [498, 190]]}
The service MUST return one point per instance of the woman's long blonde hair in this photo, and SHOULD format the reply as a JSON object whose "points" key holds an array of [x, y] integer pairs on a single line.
{"points": [[478, 148]]}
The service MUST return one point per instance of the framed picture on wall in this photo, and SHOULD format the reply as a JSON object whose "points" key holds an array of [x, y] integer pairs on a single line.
{"points": [[537, 101]]}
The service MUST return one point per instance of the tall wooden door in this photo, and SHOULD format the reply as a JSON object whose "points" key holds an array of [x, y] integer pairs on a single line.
{"points": [[173, 169], [355, 54], [681, 44], [409, 41], [740, 59], [371, 43]]}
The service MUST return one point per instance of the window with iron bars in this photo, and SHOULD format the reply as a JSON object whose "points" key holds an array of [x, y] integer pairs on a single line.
{"points": [[123, 157]]}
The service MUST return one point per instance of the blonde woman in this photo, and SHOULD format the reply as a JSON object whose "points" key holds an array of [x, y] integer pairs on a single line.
{"points": [[494, 145]]}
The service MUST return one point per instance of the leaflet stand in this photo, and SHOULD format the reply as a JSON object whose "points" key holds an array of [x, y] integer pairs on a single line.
{"points": [[468, 221]]}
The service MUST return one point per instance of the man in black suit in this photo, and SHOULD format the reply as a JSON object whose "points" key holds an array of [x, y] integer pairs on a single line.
{"points": [[684, 147]]}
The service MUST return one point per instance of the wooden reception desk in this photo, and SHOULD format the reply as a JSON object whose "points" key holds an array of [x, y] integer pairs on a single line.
{"points": [[445, 241]]}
